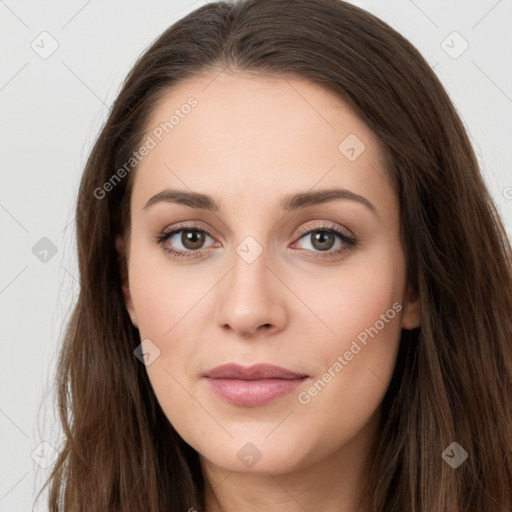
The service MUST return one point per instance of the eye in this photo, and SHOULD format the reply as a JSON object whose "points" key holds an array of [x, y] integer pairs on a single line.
{"points": [[184, 241], [323, 239]]}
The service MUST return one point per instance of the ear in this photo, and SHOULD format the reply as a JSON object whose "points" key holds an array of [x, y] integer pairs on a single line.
{"points": [[124, 278], [411, 317]]}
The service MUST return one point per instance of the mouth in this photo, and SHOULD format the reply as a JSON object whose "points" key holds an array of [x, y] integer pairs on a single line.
{"points": [[252, 386]]}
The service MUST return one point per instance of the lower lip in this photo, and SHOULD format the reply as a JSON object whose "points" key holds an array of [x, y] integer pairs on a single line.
{"points": [[253, 393]]}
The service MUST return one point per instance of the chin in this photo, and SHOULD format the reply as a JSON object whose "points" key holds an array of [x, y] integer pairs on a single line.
{"points": [[261, 463], [254, 454]]}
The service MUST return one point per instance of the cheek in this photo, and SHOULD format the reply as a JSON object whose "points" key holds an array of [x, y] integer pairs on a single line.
{"points": [[168, 304], [362, 302], [165, 306], [162, 293], [354, 364]]}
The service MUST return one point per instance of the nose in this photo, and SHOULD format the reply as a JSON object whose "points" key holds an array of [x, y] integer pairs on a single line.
{"points": [[251, 299]]}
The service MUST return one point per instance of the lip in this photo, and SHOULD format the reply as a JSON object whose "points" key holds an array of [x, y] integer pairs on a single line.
{"points": [[252, 386]]}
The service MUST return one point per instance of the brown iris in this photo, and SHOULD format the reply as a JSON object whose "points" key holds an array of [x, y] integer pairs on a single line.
{"points": [[192, 239], [322, 240]]}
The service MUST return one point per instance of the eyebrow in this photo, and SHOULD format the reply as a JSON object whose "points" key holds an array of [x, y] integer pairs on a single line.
{"points": [[289, 203]]}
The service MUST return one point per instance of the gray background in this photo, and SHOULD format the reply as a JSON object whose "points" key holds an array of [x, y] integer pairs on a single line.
{"points": [[52, 107]]}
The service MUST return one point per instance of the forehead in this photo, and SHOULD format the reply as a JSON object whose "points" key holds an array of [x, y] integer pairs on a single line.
{"points": [[250, 136]]}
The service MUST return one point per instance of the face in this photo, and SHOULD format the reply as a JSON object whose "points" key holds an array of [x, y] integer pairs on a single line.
{"points": [[269, 269]]}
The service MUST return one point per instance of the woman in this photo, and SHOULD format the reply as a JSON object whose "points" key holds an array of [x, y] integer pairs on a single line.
{"points": [[295, 290]]}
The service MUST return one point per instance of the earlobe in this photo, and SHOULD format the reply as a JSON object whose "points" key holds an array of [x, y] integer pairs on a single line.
{"points": [[411, 317], [124, 279]]}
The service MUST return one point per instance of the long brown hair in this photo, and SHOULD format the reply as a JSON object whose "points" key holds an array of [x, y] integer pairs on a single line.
{"points": [[453, 377]]}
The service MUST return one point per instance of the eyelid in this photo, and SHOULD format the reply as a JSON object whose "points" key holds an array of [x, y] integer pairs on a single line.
{"points": [[193, 225], [324, 225]]}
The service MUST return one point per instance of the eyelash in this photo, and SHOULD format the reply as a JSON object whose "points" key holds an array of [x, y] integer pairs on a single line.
{"points": [[349, 242]]}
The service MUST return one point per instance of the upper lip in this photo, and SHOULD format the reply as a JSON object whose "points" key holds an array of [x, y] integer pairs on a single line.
{"points": [[255, 372]]}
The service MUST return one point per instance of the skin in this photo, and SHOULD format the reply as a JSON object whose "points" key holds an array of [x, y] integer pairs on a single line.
{"points": [[249, 141]]}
